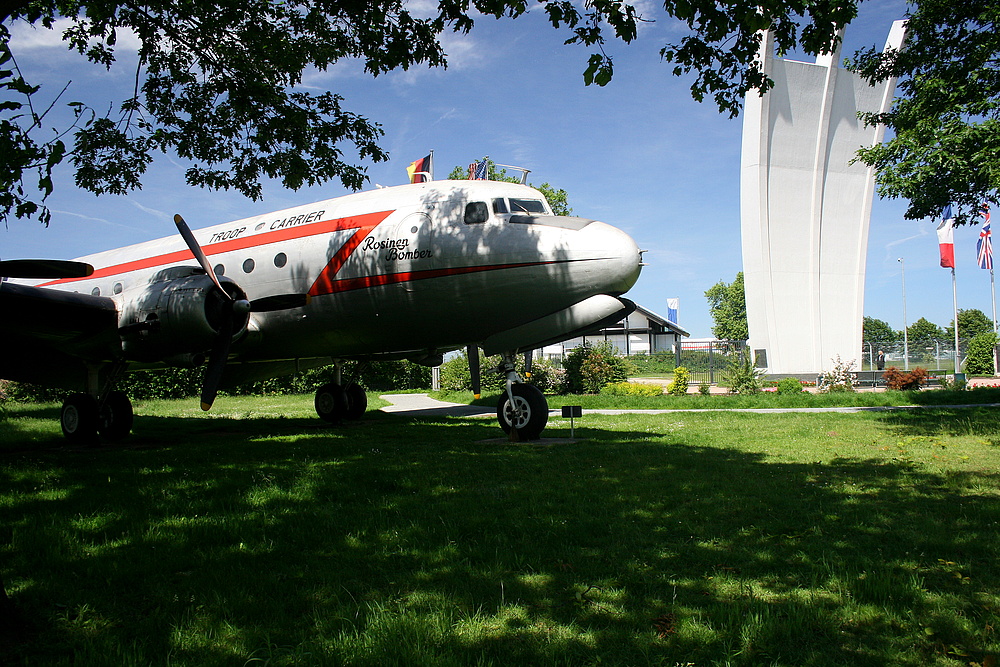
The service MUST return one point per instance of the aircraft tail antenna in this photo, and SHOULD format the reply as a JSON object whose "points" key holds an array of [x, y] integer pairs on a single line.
{"points": [[524, 172]]}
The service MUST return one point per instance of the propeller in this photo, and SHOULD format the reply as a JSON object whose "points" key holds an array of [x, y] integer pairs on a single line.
{"points": [[232, 309], [44, 268], [473, 354]]}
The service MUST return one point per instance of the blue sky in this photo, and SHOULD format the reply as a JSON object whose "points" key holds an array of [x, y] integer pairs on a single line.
{"points": [[638, 153]]}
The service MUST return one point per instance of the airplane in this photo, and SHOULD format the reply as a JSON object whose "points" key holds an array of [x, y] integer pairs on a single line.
{"points": [[406, 272]]}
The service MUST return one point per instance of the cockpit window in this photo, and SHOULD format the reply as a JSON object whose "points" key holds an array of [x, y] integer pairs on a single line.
{"points": [[500, 205], [527, 206], [476, 212]]}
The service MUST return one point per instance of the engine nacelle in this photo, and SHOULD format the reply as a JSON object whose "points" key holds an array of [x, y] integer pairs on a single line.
{"points": [[178, 316]]}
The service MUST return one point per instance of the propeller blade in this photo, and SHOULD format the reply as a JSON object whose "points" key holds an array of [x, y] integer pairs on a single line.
{"points": [[44, 268], [474, 371], [217, 363], [270, 304], [199, 254]]}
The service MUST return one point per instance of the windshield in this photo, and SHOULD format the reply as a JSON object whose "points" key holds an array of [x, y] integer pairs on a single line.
{"points": [[527, 206]]}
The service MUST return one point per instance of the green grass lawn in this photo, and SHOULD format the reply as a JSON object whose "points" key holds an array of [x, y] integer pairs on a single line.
{"points": [[259, 535]]}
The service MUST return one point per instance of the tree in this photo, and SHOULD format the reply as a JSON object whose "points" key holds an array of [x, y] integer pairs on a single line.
{"points": [[924, 334], [728, 306], [878, 332], [971, 323], [558, 199], [216, 81], [946, 119]]}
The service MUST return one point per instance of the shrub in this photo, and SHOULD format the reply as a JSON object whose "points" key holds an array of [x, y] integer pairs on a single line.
{"points": [[546, 376], [979, 354], [590, 367], [789, 386], [679, 385], [704, 389], [186, 382], [897, 379], [742, 375], [631, 389], [455, 374], [841, 378]]}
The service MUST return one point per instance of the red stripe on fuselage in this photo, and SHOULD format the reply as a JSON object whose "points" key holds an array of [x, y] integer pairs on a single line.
{"points": [[362, 223], [364, 282]]}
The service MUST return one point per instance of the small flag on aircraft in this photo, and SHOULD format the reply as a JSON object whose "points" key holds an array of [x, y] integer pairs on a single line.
{"points": [[984, 247], [479, 171], [419, 171], [672, 306], [946, 238]]}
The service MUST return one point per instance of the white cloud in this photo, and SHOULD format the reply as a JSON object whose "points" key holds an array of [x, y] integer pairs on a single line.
{"points": [[25, 37], [34, 37]]}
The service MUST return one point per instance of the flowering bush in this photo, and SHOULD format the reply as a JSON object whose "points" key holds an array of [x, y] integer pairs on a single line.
{"points": [[841, 378]]}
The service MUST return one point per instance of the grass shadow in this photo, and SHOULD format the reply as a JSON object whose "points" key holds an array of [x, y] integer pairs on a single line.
{"points": [[408, 541]]}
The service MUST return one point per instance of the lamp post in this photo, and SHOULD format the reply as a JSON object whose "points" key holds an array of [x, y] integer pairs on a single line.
{"points": [[906, 336]]}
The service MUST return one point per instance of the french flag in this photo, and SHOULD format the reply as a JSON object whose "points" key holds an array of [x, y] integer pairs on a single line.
{"points": [[946, 238]]}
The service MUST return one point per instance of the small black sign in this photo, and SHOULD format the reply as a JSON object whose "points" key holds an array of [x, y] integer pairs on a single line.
{"points": [[572, 411]]}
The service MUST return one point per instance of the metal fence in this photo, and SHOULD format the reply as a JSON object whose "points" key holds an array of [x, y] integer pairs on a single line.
{"points": [[707, 360], [932, 355]]}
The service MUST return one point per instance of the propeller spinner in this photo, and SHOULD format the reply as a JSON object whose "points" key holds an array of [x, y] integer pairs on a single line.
{"points": [[228, 322]]}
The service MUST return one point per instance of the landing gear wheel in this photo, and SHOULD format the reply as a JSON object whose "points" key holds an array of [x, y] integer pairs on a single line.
{"points": [[357, 401], [116, 417], [79, 419], [331, 402], [528, 414]]}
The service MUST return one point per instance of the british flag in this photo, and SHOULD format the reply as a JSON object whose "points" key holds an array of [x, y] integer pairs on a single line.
{"points": [[984, 247]]}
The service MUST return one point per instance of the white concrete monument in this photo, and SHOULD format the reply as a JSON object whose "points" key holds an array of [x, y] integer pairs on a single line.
{"points": [[805, 210]]}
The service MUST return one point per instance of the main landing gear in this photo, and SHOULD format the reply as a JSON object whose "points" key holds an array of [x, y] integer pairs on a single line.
{"points": [[522, 410], [336, 401], [86, 420]]}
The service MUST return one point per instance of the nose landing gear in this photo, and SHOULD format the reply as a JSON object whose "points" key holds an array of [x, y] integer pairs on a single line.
{"points": [[522, 411]]}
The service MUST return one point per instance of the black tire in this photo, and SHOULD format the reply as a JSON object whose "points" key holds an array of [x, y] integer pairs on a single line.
{"points": [[357, 401], [534, 412], [331, 402], [116, 417], [79, 419]]}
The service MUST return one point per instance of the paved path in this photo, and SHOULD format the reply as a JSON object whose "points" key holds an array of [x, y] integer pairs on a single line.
{"points": [[422, 405]]}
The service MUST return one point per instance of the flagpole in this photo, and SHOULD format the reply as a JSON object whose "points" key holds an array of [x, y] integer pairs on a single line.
{"points": [[954, 296], [996, 348]]}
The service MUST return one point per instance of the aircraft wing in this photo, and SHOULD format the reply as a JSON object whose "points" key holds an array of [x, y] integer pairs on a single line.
{"points": [[49, 336]]}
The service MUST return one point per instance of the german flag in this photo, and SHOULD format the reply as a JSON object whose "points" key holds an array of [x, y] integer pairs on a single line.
{"points": [[420, 170]]}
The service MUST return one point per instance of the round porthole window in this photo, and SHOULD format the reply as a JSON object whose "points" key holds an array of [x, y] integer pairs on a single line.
{"points": [[220, 269], [248, 266], [280, 259], [118, 288], [96, 291]]}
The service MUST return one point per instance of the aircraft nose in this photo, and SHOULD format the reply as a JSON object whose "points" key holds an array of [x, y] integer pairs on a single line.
{"points": [[622, 260]]}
